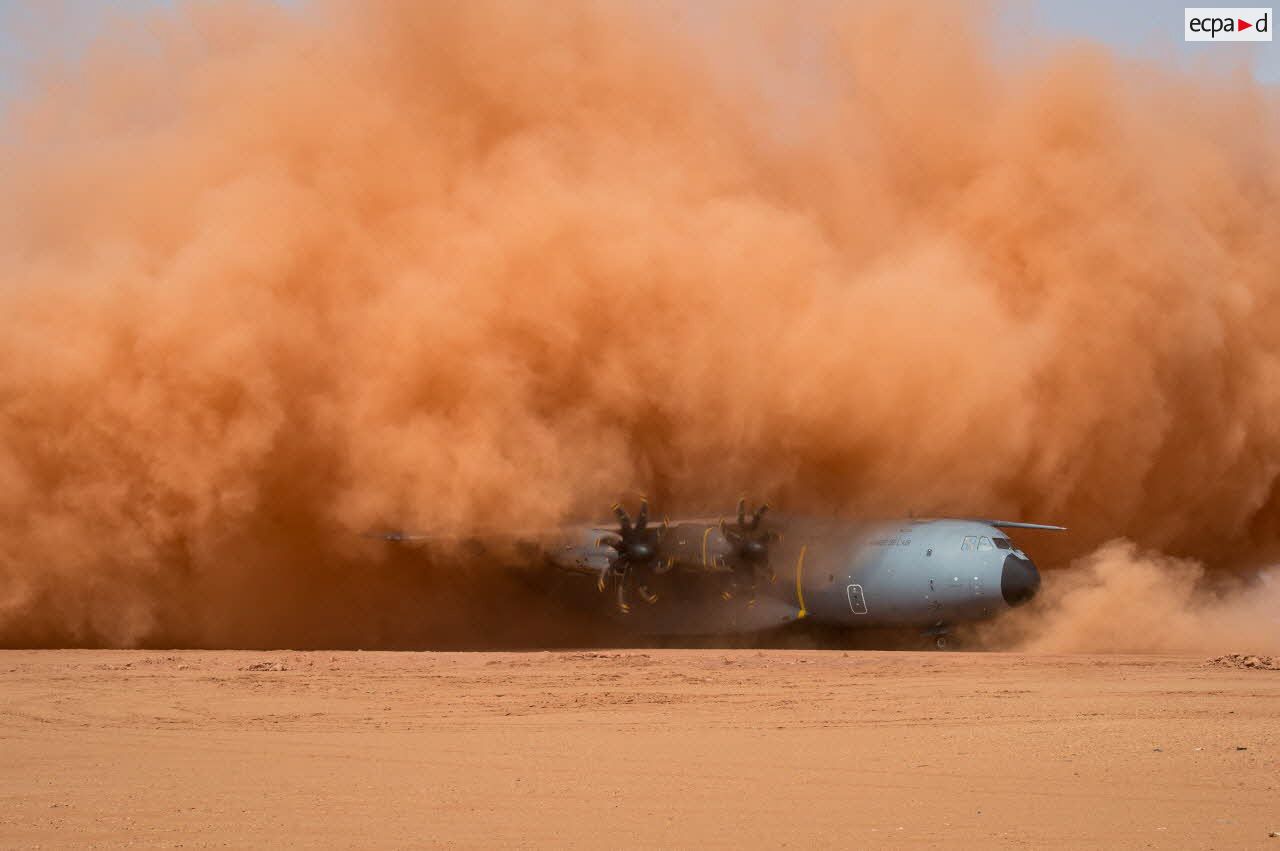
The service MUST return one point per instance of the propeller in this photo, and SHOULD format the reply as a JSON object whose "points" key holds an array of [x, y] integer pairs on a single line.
{"points": [[637, 547], [750, 547]]}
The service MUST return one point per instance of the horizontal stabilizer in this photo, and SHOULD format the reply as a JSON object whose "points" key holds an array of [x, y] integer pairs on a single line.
{"points": [[1015, 524]]}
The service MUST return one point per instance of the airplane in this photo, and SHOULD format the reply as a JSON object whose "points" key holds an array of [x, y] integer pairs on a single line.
{"points": [[706, 576]]}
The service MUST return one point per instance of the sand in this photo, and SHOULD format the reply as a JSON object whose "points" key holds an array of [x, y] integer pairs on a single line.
{"points": [[636, 748]]}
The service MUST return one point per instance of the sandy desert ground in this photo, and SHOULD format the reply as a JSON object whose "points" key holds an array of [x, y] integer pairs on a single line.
{"points": [[636, 748]]}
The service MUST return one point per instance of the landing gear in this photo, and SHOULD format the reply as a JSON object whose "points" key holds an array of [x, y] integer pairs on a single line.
{"points": [[940, 637]]}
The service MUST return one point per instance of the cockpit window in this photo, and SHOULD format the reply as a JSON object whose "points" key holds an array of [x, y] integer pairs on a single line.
{"points": [[1003, 543], [970, 543], [984, 543]]}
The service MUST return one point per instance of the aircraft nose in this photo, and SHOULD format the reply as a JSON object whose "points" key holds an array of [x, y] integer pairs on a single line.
{"points": [[1019, 580]]}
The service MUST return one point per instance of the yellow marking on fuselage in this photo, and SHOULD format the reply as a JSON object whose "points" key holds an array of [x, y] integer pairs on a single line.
{"points": [[799, 586], [705, 533]]}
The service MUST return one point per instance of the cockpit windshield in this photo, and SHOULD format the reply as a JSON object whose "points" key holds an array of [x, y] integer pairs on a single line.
{"points": [[1003, 543]]}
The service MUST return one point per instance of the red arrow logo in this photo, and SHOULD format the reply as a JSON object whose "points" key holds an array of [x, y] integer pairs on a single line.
{"points": [[1244, 25]]}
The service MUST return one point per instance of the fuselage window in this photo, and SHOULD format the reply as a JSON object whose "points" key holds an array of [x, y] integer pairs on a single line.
{"points": [[984, 543], [969, 543], [1003, 543]]}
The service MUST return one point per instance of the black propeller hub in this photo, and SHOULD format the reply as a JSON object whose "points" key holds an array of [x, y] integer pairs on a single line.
{"points": [[749, 540], [636, 543]]}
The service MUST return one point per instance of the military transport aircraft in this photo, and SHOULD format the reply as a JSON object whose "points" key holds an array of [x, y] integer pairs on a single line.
{"points": [[712, 577]]}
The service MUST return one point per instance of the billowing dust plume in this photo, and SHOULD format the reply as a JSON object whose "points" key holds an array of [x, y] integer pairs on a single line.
{"points": [[270, 277], [1122, 599]]}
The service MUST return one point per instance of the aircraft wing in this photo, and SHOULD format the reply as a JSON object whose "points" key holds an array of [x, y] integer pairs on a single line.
{"points": [[630, 552]]}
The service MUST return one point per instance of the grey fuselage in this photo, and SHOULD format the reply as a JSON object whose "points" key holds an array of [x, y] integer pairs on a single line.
{"points": [[925, 574]]}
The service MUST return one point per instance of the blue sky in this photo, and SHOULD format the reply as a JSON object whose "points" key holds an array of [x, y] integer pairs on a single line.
{"points": [[1144, 29]]}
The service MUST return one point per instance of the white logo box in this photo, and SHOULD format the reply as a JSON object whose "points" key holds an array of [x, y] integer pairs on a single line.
{"points": [[1229, 23]]}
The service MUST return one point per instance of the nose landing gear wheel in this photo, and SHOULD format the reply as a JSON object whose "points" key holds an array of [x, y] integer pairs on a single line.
{"points": [[941, 643]]}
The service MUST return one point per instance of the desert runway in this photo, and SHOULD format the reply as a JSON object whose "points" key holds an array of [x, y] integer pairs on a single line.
{"points": [[635, 748]]}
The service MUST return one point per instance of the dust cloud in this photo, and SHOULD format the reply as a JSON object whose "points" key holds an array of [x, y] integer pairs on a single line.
{"points": [[271, 276], [1120, 598]]}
